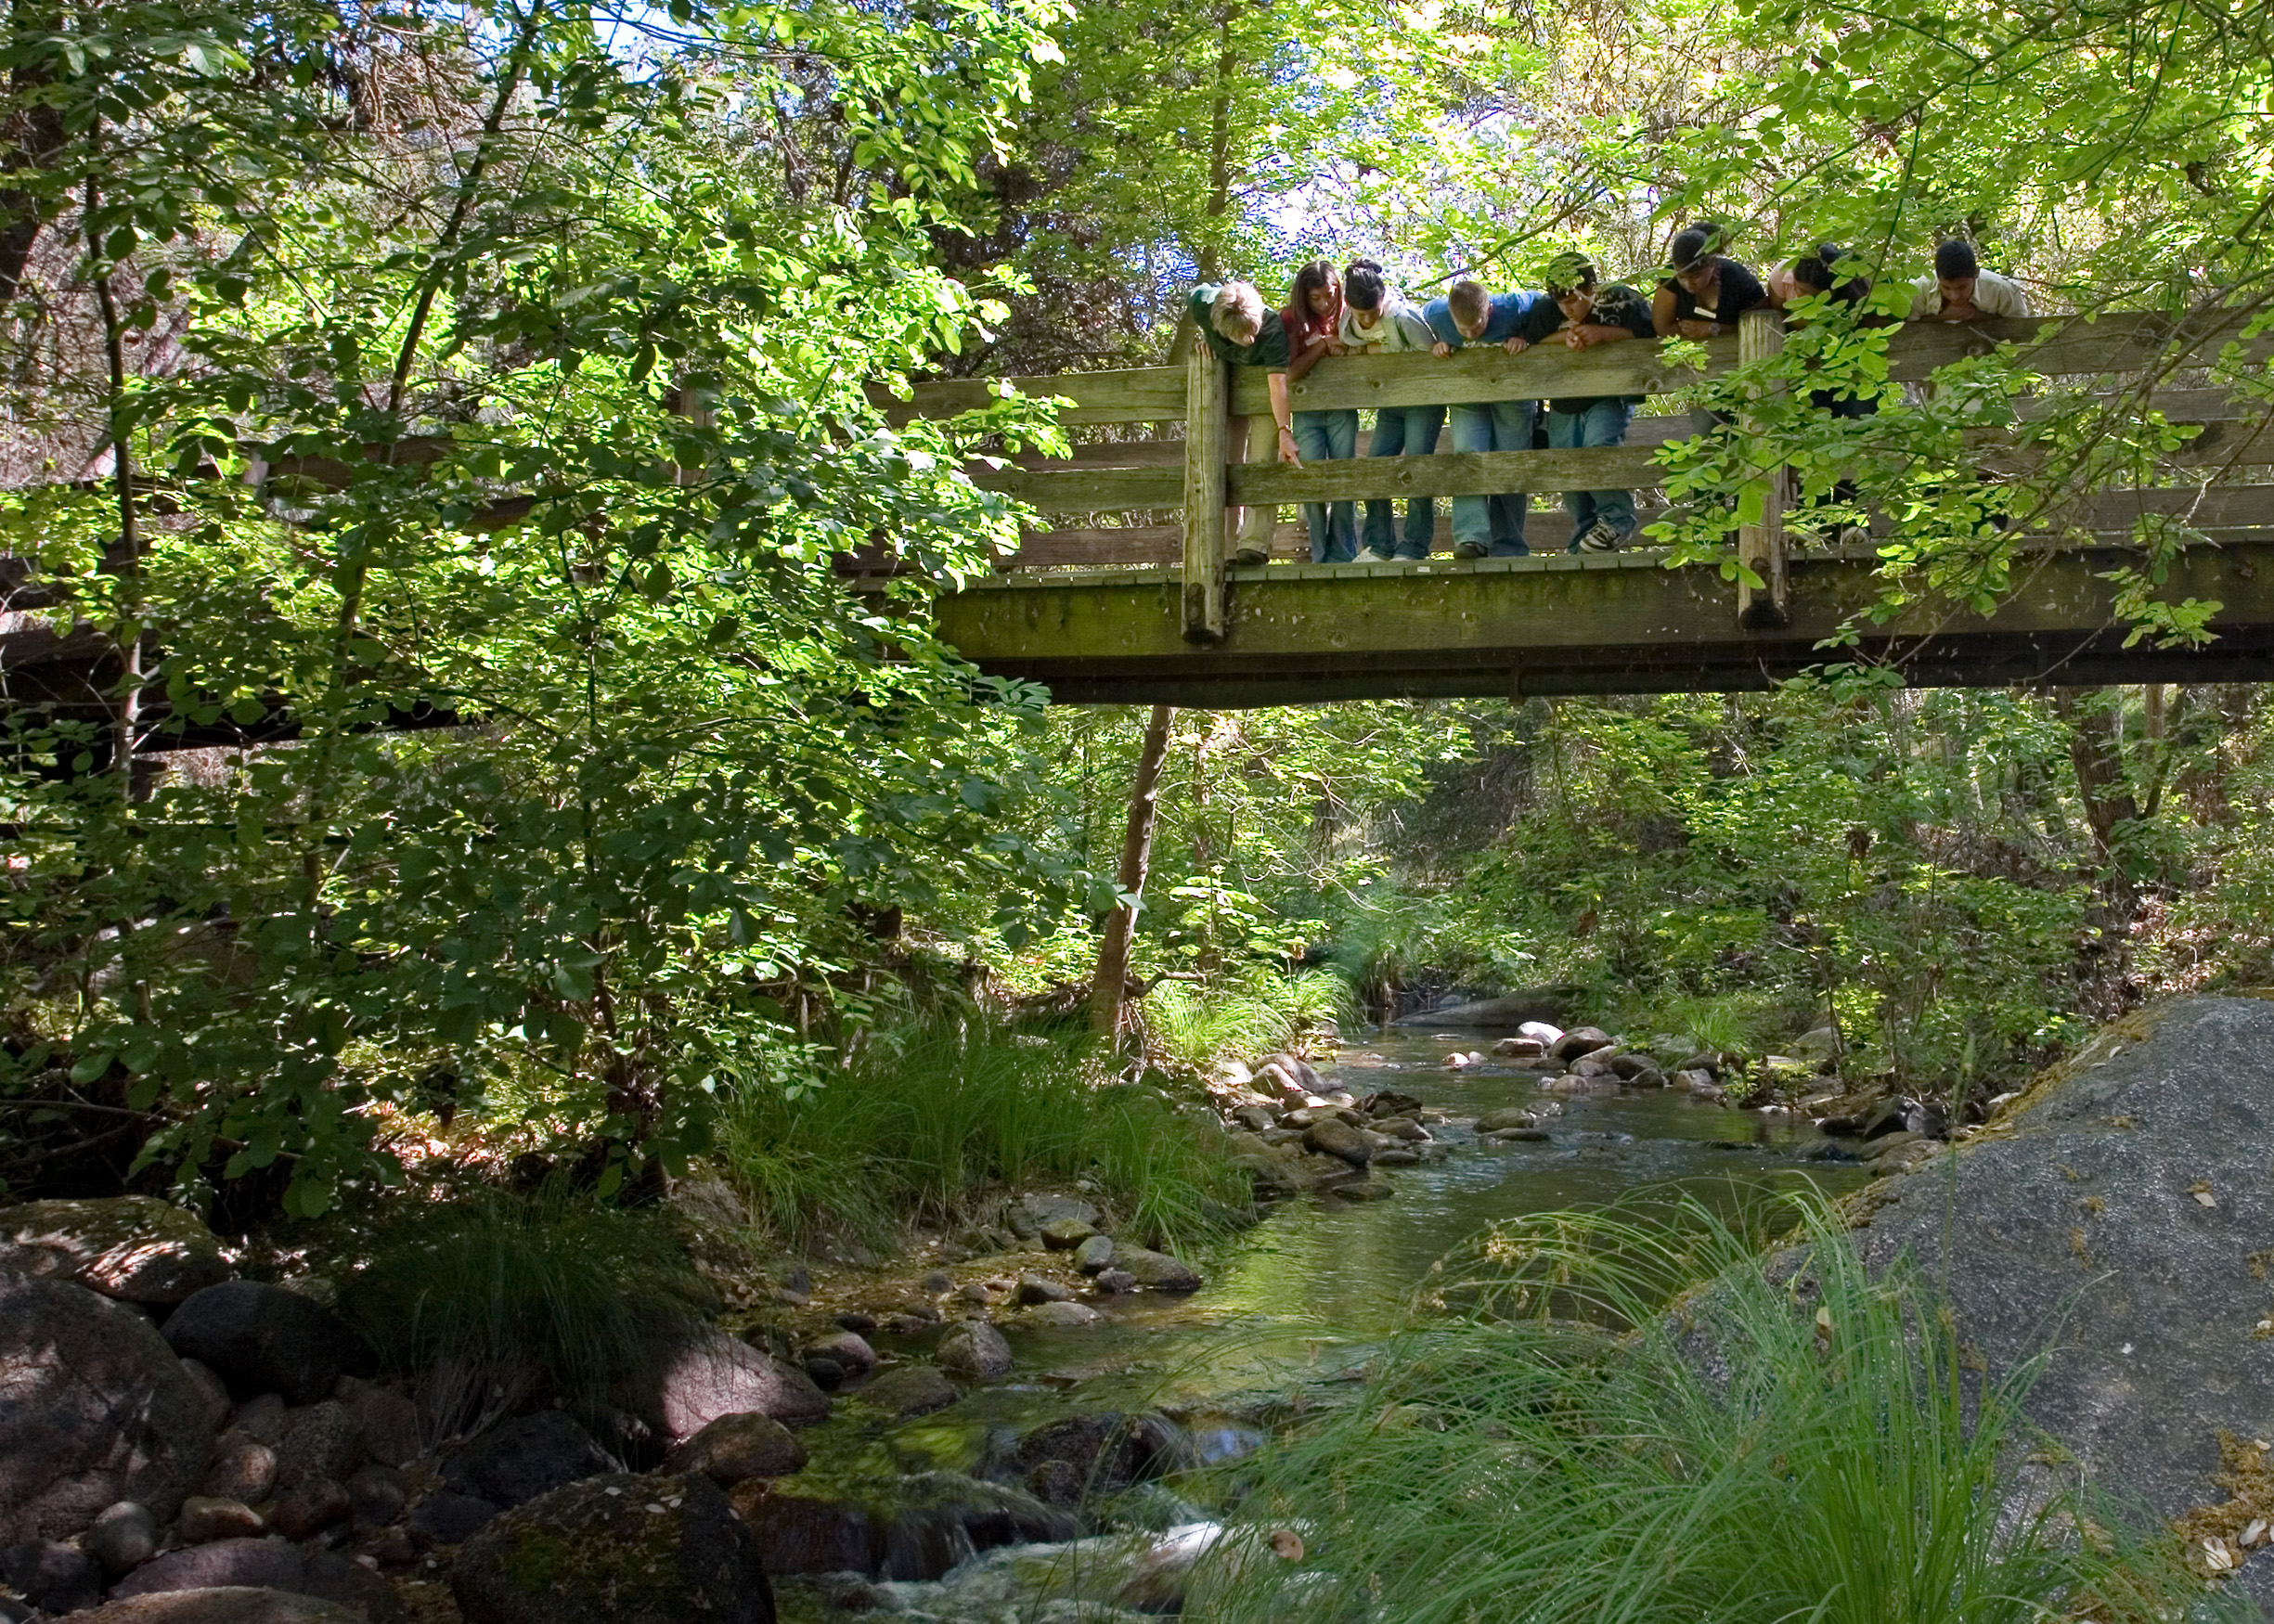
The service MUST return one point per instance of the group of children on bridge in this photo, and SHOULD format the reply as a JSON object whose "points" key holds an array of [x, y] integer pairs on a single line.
{"points": [[1355, 312]]}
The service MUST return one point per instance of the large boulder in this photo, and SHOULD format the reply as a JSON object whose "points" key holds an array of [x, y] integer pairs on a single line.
{"points": [[975, 1350], [1159, 1271], [93, 1408], [736, 1446], [133, 1247], [915, 1526], [227, 1604], [266, 1339], [616, 1549], [270, 1564], [518, 1459], [1506, 1013], [714, 1375], [2120, 1214]]}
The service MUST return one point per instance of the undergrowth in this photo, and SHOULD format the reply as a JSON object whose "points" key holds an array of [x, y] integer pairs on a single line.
{"points": [[493, 1299], [931, 1121], [1778, 1449], [1188, 1028]]}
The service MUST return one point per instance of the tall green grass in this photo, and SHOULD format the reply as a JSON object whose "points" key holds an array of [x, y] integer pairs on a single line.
{"points": [[1776, 1449], [494, 1299], [1190, 1028], [931, 1122]]}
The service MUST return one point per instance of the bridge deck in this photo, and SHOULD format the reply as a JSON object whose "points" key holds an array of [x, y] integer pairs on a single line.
{"points": [[1568, 625]]}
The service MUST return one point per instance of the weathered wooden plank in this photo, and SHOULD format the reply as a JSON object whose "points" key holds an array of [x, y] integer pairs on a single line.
{"points": [[1206, 427], [1090, 490], [1140, 394], [1761, 542], [1461, 473], [1620, 623]]}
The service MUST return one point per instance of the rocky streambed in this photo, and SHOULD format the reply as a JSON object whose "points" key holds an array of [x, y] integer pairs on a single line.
{"points": [[1030, 1423]]}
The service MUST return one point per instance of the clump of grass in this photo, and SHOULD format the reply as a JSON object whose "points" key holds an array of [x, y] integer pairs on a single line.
{"points": [[1724, 1022], [1793, 1446], [494, 1299], [1190, 1028], [930, 1121]]}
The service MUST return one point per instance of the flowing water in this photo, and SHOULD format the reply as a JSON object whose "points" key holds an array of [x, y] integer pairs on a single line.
{"points": [[1295, 1306]]}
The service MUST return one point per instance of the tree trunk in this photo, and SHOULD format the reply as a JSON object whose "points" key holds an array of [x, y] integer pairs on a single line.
{"points": [[2105, 791], [1110, 988]]}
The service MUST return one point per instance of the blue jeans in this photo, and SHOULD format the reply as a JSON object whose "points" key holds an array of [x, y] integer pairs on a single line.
{"points": [[1604, 423], [1325, 437], [1495, 522], [1404, 432]]}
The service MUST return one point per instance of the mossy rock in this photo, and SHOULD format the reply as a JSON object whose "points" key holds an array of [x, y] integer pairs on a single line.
{"points": [[132, 1247], [616, 1549]]}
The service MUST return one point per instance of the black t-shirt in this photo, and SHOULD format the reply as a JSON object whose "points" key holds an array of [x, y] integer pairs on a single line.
{"points": [[1615, 304], [1737, 292]]}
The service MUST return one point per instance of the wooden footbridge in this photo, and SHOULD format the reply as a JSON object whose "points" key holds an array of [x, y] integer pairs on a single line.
{"points": [[1152, 613]]}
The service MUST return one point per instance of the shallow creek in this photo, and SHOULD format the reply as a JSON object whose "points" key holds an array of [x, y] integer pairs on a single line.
{"points": [[1294, 1307]]}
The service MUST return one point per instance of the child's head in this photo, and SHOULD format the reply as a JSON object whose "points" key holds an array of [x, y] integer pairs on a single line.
{"points": [[1470, 305], [1955, 269], [1237, 312], [1570, 283], [1695, 254], [1363, 289], [1318, 289], [1817, 271]]}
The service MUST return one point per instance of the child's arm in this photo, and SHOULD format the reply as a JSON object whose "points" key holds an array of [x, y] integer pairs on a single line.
{"points": [[1661, 312], [1588, 334], [1284, 417]]}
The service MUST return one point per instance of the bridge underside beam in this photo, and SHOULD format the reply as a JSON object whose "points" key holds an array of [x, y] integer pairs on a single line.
{"points": [[1519, 628]]}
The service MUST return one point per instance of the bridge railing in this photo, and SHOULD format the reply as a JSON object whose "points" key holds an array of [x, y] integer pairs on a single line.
{"points": [[1189, 474]]}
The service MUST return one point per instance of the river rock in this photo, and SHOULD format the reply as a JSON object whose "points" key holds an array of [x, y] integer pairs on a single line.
{"points": [[1519, 1048], [1063, 1234], [516, 1461], [1076, 1458], [243, 1468], [266, 1339], [1116, 1283], [312, 1507], [975, 1350], [714, 1375], [910, 1390], [1545, 1033], [1696, 1081], [1509, 1013], [1389, 1102], [377, 1496], [1331, 1137], [265, 1416], [914, 1527], [122, 1536], [448, 1518], [2122, 1215], [321, 1440], [1256, 1119], [207, 1517], [1303, 1071], [1506, 1116], [850, 1349], [53, 1577], [223, 1605], [1402, 1128], [1034, 1288], [736, 1446], [1579, 1040], [616, 1549], [385, 1419], [1156, 1270], [93, 1408], [1398, 1157], [133, 1247], [269, 1563], [1027, 1215], [1094, 1254], [1066, 1316]]}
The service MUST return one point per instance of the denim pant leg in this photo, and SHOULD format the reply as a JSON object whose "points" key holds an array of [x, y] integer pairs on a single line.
{"points": [[1326, 437], [1381, 511], [1604, 423], [1423, 423], [1471, 427], [1564, 430], [1512, 425]]}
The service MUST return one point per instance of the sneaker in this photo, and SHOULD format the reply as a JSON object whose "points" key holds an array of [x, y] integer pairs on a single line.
{"points": [[1469, 549], [1598, 538], [1367, 555], [1250, 555]]}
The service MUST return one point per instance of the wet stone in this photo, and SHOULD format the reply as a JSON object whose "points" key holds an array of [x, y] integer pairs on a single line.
{"points": [[208, 1517], [1034, 1288], [1093, 1255]]}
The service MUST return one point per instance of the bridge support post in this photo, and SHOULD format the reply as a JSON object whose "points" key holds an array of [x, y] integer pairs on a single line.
{"points": [[1761, 546], [1208, 407]]}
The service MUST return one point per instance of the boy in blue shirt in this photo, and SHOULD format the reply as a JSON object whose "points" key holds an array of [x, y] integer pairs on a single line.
{"points": [[1486, 526]]}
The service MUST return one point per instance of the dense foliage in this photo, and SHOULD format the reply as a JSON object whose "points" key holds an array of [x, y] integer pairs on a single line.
{"points": [[449, 419]]}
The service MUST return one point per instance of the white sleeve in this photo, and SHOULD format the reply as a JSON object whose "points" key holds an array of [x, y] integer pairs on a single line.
{"points": [[1925, 299], [1996, 295]]}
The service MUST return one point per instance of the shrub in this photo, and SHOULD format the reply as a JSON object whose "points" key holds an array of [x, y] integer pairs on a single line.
{"points": [[497, 1299], [930, 1120], [1783, 1447]]}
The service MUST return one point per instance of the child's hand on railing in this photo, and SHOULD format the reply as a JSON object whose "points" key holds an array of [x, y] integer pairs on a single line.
{"points": [[1441, 349], [1516, 346]]}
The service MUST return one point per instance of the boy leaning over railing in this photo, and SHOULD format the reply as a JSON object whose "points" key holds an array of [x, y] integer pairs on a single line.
{"points": [[1588, 315]]}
